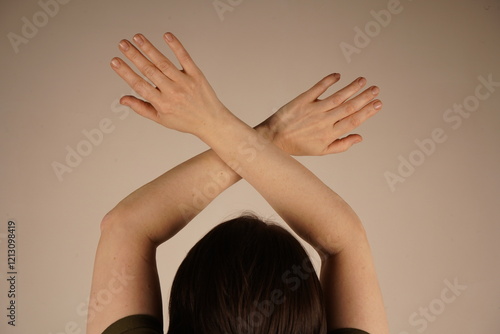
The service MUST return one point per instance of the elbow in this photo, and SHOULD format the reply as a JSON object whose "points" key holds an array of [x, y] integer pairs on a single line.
{"points": [[114, 224], [337, 240], [358, 231], [356, 235], [109, 221]]}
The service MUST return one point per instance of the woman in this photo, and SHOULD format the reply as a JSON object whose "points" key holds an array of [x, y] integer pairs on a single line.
{"points": [[245, 276]]}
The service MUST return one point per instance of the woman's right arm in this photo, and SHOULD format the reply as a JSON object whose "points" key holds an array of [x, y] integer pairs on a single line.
{"points": [[184, 101]]}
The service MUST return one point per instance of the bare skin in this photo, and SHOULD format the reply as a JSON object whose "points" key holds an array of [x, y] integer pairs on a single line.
{"points": [[183, 100]]}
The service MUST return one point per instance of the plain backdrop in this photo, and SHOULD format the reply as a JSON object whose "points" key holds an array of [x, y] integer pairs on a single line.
{"points": [[425, 181]]}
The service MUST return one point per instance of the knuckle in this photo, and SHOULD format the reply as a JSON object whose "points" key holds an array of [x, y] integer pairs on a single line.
{"points": [[349, 108], [355, 121], [149, 71], [164, 109], [193, 85], [336, 100], [140, 86], [352, 107], [164, 66], [184, 56]]}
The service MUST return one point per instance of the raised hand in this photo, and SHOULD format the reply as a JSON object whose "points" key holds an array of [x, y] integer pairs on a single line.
{"points": [[182, 100], [310, 126]]}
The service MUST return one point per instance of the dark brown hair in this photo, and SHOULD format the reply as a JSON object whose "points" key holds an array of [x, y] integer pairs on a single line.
{"points": [[246, 276]]}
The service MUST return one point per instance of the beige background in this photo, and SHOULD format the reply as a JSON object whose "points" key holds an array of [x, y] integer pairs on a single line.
{"points": [[440, 225]]}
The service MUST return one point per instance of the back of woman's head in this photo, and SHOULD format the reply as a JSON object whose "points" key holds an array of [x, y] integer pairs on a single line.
{"points": [[246, 276]]}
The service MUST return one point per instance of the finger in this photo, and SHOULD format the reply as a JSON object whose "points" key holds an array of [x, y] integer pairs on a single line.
{"points": [[141, 107], [354, 105], [343, 95], [146, 67], [135, 81], [319, 88], [181, 54], [343, 144], [347, 124], [157, 58]]}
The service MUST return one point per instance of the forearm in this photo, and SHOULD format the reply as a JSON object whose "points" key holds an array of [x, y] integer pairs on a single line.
{"points": [[312, 209], [162, 207]]}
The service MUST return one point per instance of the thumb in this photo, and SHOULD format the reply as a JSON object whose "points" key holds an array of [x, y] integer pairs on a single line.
{"points": [[143, 108], [343, 144]]}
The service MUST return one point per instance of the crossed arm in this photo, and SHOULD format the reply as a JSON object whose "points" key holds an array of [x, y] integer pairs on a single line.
{"points": [[183, 100]]}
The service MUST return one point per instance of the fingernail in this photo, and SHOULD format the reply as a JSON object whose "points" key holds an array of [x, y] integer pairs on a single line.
{"points": [[139, 39], [336, 75], [168, 37], [361, 81], [124, 45], [375, 90], [377, 105], [115, 63]]}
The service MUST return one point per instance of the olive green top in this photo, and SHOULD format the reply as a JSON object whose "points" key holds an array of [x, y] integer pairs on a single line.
{"points": [[146, 324]]}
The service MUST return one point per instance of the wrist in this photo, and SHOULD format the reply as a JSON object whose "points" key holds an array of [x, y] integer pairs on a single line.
{"points": [[219, 118], [268, 131], [222, 126]]}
